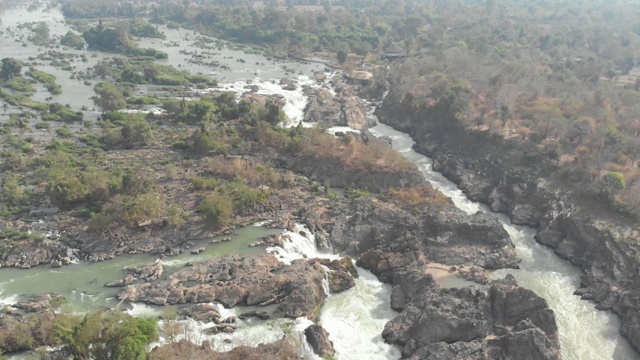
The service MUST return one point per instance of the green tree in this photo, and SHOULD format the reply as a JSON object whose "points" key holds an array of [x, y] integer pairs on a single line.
{"points": [[136, 133], [64, 187], [205, 140], [274, 114], [109, 98], [612, 182], [342, 56], [40, 34], [382, 29], [11, 194], [11, 68]]}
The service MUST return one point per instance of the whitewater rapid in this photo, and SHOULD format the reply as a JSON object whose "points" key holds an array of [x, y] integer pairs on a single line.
{"points": [[354, 318]]}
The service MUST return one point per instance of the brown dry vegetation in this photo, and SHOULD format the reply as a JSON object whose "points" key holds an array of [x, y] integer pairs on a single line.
{"points": [[417, 195], [184, 349], [354, 155]]}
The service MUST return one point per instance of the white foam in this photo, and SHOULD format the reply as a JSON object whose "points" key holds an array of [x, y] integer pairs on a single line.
{"points": [[262, 223], [342, 129], [173, 262], [296, 246], [224, 312], [9, 300], [295, 100], [355, 319], [144, 310]]}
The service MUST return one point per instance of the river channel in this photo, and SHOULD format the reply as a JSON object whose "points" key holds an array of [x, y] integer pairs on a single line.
{"points": [[585, 332]]}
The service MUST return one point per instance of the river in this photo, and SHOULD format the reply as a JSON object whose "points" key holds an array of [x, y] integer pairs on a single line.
{"points": [[585, 332]]}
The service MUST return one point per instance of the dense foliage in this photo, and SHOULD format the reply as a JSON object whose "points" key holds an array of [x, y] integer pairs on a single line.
{"points": [[115, 38], [101, 335]]}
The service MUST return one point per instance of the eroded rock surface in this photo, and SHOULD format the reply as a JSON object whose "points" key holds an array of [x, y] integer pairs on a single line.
{"points": [[250, 280], [341, 109], [318, 338]]}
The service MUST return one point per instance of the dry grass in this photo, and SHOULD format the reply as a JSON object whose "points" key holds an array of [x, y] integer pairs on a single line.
{"points": [[418, 195]]}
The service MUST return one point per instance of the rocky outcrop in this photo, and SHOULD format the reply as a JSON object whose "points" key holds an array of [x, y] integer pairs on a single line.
{"points": [[40, 303], [331, 170], [342, 273], [203, 312], [499, 321], [342, 109], [145, 273], [24, 251], [148, 272], [128, 279], [318, 338], [232, 280], [443, 234]]}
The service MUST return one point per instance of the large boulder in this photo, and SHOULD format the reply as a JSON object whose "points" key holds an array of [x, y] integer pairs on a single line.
{"points": [[318, 338], [341, 109]]}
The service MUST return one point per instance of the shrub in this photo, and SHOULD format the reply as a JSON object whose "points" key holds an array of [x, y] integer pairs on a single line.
{"points": [[142, 207], [132, 134], [64, 132], [48, 80], [216, 209], [42, 126]]}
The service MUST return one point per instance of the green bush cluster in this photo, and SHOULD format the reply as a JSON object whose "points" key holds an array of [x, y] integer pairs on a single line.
{"points": [[226, 199], [149, 53], [12, 197], [129, 131], [142, 28], [22, 101], [64, 132], [72, 40], [48, 80], [59, 112], [123, 196]]}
